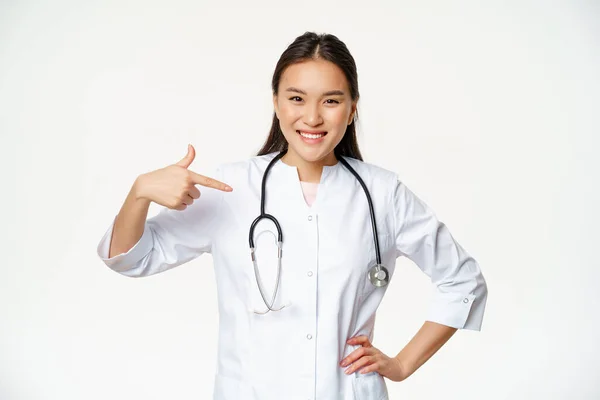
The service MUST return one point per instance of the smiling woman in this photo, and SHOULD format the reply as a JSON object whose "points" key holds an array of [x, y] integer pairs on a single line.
{"points": [[315, 94], [302, 325], [315, 108]]}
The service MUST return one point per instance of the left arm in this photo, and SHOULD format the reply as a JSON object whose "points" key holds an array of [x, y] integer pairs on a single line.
{"points": [[460, 290], [428, 340]]}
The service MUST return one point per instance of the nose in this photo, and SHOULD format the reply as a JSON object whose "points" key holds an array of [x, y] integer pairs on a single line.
{"points": [[312, 115]]}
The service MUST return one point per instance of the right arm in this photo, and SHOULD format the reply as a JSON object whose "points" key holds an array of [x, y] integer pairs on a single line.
{"points": [[184, 229], [129, 223]]}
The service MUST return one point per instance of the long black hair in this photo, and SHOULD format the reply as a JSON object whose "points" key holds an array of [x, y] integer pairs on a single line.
{"points": [[313, 46]]}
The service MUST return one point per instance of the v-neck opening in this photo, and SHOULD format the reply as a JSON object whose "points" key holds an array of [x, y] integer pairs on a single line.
{"points": [[309, 191], [323, 184]]}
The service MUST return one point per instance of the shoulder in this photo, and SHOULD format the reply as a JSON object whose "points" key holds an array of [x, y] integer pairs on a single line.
{"points": [[381, 182], [374, 173]]}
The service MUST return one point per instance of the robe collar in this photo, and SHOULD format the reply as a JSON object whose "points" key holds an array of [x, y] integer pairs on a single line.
{"points": [[290, 187]]}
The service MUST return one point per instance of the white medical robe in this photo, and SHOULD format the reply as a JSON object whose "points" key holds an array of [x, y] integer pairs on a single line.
{"points": [[327, 251]]}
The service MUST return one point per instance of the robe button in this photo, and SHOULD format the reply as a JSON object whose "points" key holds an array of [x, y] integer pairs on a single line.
{"points": [[309, 336], [310, 217], [465, 300], [309, 273]]}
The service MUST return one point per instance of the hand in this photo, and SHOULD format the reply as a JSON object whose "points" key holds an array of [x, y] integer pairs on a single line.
{"points": [[174, 186], [368, 359]]}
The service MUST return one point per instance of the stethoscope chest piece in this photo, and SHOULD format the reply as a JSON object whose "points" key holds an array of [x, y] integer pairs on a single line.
{"points": [[379, 275]]}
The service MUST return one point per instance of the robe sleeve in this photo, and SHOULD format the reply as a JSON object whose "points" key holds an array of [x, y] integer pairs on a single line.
{"points": [[170, 238], [460, 290]]}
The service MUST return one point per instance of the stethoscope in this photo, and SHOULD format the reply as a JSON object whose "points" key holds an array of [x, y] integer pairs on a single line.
{"points": [[378, 274]]}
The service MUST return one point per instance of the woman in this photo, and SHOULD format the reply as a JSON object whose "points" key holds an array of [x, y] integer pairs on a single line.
{"points": [[301, 326]]}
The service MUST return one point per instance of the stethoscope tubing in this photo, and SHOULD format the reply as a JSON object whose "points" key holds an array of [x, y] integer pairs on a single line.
{"points": [[371, 208], [374, 273]]}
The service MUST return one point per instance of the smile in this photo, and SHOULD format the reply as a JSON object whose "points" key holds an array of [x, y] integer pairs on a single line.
{"points": [[311, 135]]}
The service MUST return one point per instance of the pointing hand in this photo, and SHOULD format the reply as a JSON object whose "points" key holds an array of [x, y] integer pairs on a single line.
{"points": [[174, 186]]}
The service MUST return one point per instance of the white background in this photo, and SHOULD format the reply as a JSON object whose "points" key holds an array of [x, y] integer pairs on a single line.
{"points": [[487, 110]]}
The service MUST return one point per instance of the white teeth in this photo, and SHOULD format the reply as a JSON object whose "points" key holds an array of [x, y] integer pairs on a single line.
{"points": [[311, 136]]}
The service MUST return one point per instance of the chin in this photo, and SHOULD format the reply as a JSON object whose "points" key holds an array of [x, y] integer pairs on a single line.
{"points": [[312, 155]]}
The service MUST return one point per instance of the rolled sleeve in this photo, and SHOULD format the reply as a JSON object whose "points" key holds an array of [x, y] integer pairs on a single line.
{"points": [[460, 290], [122, 262], [170, 238]]}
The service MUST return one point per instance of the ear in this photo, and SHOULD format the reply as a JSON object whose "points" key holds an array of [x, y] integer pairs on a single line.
{"points": [[352, 112], [275, 106]]}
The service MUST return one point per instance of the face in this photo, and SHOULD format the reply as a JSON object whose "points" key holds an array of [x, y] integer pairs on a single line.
{"points": [[314, 107]]}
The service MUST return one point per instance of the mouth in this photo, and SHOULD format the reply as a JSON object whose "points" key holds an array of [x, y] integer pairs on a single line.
{"points": [[311, 136]]}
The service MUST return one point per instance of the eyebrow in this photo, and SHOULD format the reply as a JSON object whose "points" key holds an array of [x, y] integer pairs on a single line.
{"points": [[329, 93]]}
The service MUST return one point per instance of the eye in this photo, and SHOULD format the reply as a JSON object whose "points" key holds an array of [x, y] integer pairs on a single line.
{"points": [[332, 101], [296, 98]]}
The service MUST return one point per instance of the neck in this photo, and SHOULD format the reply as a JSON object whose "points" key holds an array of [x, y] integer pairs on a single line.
{"points": [[308, 171]]}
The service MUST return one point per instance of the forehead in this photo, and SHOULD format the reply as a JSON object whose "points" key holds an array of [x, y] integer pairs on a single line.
{"points": [[314, 76]]}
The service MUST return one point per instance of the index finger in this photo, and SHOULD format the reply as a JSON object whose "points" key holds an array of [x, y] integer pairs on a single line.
{"points": [[209, 182], [362, 340]]}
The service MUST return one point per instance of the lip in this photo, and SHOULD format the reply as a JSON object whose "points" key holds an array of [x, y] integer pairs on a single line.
{"points": [[311, 141]]}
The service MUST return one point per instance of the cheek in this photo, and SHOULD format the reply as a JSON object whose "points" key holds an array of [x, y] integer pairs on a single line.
{"points": [[288, 114], [338, 117], [287, 121]]}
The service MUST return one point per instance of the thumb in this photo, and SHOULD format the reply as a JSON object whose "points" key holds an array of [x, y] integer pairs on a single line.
{"points": [[189, 157]]}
